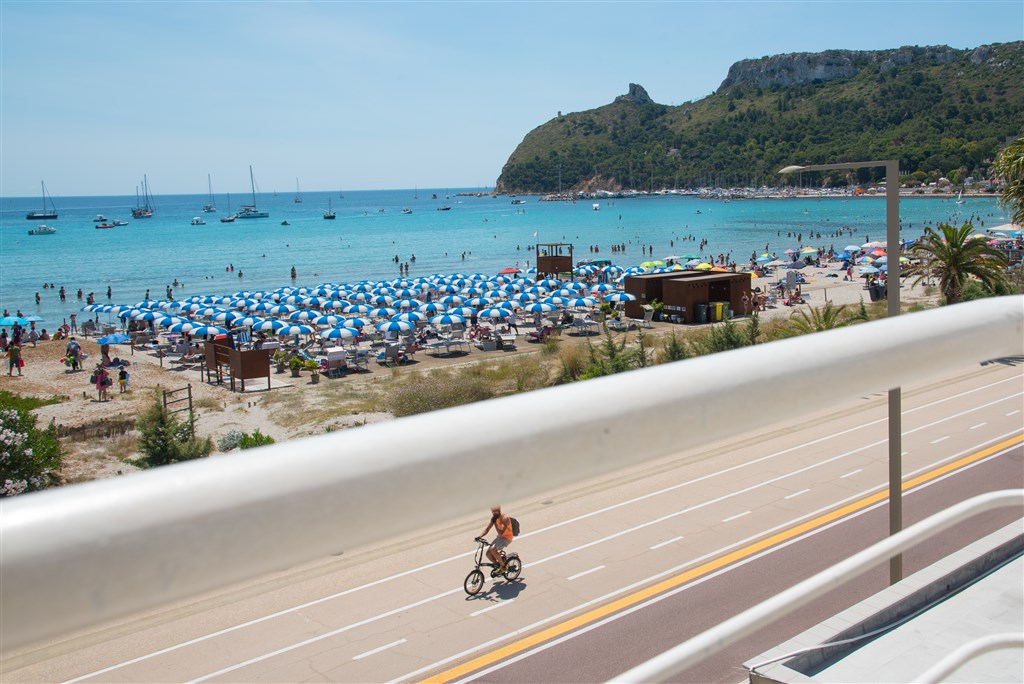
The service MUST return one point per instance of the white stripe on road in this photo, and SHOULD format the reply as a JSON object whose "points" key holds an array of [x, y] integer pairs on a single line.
{"points": [[796, 494], [666, 543], [490, 608], [975, 427], [378, 650], [585, 572], [940, 439], [851, 473], [1013, 413], [736, 517]]}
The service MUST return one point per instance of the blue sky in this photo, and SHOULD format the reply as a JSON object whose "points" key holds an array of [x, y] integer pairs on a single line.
{"points": [[348, 95]]}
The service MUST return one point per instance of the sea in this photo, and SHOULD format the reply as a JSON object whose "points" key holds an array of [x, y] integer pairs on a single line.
{"points": [[477, 234]]}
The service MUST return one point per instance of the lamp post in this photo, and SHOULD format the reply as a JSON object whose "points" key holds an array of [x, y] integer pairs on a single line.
{"points": [[892, 236]]}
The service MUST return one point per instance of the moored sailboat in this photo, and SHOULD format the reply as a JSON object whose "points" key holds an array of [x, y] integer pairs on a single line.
{"points": [[45, 213], [144, 208], [210, 207], [249, 211], [329, 214]]}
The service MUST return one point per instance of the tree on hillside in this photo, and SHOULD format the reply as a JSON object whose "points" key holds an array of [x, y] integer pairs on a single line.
{"points": [[1010, 167], [953, 256]]}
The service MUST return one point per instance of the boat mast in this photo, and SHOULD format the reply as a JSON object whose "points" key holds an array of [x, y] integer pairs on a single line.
{"points": [[252, 184]]}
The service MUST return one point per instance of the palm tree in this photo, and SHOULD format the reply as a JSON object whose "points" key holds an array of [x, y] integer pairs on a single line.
{"points": [[1010, 167], [954, 256], [812, 319]]}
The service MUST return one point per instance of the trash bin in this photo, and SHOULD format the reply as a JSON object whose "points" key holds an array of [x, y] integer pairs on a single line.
{"points": [[717, 315], [873, 293], [728, 314], [700, 313]]}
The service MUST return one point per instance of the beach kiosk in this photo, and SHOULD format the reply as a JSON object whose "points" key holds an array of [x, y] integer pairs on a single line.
{"points": [[687, 293], [553, 259]]}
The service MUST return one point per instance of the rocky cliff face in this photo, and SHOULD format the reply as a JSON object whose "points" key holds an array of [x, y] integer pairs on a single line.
{"points": [[636, 95], [806, 67]]}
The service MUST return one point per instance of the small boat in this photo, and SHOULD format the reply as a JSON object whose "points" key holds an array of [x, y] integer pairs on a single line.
{"points": [[104, 226], [329, 214], [407, 210], [50, 213], [444, 207], [43, 230], [100, 218], [960, 198], [518, 201], [230, 218], [209, 207], [597, 206], [285, 223], [198, 221], [115, 223], [298, 193]]}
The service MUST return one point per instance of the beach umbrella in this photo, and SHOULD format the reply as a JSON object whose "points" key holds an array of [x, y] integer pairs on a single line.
{"points": [[246, 322], [540, 307], [382, 300], [432, 308], [407, 292], [447, 319], [281, 310], [868, 269], [382, 312], [524, 297], [91, 307], [339, 333], [480, 301], [411, 316], [182, 327], [620, 297], [703, 266], [406, 304], [472, 291], [355, 322], [509, 271], [603, 287], [495, 313], [146, 316], [225, 317], [294, 330], [549, 283], [447, 289], [796, 265], [116, 338], [207, 330], [556, 300], [764, 258], [395, 326], [327, 319], [259, 306], [357, 308], [581, 302], [791, 251], [170, 320], [452, 300], [851, 248], [335, 304], [270, 324], [304, 315], [363, 287], [462, 311]]}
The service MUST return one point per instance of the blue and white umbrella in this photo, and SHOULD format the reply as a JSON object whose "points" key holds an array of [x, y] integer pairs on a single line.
{"points": [[453, 300], [328, 320], [495, 313], [358, 309], [294, 330], [556, 300], [395, 326], [462, 311], [432, 308], [207, 330], [602, 287], [868, 269], [339, 333], [182, 327], [146, 316], [225, 317], [382, 312], [407, 303], [116, 338], [540, 307], [411, 316], [246, 321], [304, 315], [355, 323], [479, 301], [620, 297], [447, 319], [168, 321], [270, 324]]}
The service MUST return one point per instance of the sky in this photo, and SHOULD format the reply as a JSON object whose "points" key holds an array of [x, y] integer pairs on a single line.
{"points": [[377, 95]]}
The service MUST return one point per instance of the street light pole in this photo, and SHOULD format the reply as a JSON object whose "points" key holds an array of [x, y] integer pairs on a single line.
{"points": [[892, 237]]}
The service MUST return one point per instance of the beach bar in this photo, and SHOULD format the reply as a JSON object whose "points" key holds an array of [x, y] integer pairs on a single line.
{"points": [[683, 292]]}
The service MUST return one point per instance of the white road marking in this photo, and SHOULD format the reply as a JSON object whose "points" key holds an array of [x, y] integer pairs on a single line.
{"points": [[568, 521], [585, 572], [378, 649], [796, 494], [940, 439], [666, 543], [975, 427], [490, 608], [851, 473], [735, 517]]}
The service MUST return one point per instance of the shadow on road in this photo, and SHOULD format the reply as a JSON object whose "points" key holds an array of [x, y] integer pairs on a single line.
{"points": [[1006, 361], [501, 591]]}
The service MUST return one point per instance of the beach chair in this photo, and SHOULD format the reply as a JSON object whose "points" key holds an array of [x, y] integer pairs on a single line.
{"points": [[487, 344], [644, 322]]}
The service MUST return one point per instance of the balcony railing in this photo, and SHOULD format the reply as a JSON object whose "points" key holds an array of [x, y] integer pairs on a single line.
{"points": [[196, 526]]}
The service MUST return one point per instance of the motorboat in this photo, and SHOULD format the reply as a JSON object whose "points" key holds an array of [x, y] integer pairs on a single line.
{"points": [[43, 230], [100, 218], [407, 211], [198, 221], [444, 207], [518, 201], [115, 222], [104, 226], [285, 223]]}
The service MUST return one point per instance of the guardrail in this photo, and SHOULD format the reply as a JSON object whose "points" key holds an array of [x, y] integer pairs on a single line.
{"points": [[723, 635], [195, 526]]}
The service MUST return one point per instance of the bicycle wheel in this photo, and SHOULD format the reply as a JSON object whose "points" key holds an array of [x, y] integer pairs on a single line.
{"points": [[474, 582], [513, 567]]}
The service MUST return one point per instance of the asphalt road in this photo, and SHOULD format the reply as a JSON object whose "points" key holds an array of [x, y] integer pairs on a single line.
{"points": [[616, 570]]}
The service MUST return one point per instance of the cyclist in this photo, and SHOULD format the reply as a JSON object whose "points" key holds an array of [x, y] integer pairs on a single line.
{"points": [[503, 526]]}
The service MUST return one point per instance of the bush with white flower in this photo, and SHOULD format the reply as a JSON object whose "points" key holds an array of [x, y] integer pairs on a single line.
{"points": [[29, 457]]}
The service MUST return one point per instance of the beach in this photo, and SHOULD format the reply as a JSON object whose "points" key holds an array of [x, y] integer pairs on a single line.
{"points": [[97, 433]]}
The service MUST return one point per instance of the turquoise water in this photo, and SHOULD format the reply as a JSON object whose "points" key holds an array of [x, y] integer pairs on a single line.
{"points": [[363, 241]]}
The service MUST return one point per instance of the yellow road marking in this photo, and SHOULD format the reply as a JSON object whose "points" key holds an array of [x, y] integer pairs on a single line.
{"points": [[709, 567]]}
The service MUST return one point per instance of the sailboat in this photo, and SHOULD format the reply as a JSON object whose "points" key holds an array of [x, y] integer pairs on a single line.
{"points": [[249, 211], [298, 193], [209, 208], [50, 213], [143, 209], [329, 214], [960, 198], [230, 218]]}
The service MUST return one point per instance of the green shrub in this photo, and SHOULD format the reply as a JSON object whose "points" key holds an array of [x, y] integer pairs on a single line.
{"points": [[722, 337], [166, 439], [256, 439], [29, 457], [230, 440], [673, 348]]}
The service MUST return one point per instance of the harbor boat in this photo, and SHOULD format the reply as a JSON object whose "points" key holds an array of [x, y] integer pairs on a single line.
{"points": [[518, 201], [407, 210], [298, 193], [104, 226], [45, 213], [116, 223], [444, 207], [143, 208], [198, 221], [249, 211], [100, 218], [43, 230], [329, 214], [209, 207]]}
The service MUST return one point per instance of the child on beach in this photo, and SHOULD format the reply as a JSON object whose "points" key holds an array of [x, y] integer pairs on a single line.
{"points": [[122, 379]]}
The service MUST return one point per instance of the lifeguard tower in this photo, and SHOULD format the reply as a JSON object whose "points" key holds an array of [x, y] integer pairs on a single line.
{"points": [[554, 259]]}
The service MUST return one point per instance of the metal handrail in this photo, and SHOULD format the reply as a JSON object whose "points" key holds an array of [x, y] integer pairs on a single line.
{"points": [[969, 651], [195, 526], [723, 635]]}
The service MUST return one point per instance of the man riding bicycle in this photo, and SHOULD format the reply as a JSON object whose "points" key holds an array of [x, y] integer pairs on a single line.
{"points": [[503, 526]]}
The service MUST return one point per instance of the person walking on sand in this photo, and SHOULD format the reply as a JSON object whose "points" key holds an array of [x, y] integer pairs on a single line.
{"points": [[102, 379], [14, 358], [122, 379]]}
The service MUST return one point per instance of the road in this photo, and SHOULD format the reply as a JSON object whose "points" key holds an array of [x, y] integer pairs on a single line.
{"points": [[616, 569]]}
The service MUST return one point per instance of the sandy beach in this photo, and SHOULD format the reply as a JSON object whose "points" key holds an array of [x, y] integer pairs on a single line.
{"points": [[97, 435]]}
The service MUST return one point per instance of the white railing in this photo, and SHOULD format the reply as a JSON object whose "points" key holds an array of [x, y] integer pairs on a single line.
{"points": [[723, 635], [195, 526], [969, 651]]}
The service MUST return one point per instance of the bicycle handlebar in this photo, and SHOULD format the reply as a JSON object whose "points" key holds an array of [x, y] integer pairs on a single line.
{"points": [[480, 540]]}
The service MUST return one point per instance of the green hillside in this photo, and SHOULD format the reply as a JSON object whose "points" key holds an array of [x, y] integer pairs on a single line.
{"points": [[938, 110]]}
